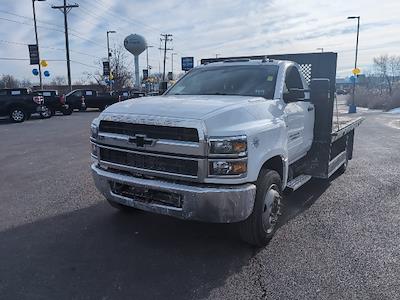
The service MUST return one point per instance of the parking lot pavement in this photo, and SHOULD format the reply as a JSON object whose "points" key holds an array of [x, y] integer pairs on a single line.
{"points": [[60, 240]]}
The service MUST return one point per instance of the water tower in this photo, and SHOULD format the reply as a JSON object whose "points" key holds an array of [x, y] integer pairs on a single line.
{"points": [[135, 44]]}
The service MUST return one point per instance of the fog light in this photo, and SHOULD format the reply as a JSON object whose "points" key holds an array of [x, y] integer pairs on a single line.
{"points": [[94, 149]]}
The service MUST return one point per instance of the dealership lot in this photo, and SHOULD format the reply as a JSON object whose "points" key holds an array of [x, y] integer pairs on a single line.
{"points": [[59, 239]]}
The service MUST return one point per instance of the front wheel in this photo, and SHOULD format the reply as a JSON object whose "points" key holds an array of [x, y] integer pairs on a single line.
{"points": [[18, 115], [261, 225], [45, 113], [66, 111]]}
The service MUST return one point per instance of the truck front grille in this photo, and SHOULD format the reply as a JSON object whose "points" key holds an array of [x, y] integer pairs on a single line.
{"points": [[151, 131], [148, 162]]}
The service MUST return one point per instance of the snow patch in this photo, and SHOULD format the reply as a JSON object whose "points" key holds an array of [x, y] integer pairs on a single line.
{"points": [[394, 111]]}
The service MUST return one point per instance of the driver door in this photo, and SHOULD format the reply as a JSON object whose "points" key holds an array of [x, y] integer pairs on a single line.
{"points": [[299, 117]]}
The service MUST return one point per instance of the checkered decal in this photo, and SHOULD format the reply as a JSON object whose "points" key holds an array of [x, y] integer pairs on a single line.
{"points": [[306, 71]]}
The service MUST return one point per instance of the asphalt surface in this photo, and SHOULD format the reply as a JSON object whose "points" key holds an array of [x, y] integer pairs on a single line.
{"points": [[59, 239]]}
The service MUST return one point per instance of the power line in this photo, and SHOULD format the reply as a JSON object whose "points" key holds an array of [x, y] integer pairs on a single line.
{"points": [[49, 47], [102, 4], [55, 60], [53, 29]]}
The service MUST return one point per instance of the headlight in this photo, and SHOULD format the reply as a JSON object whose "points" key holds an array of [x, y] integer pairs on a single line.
{"points": [[236, 145], [94, 131], [227, 167]]}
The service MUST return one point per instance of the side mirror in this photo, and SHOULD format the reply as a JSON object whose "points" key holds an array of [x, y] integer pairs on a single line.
{"points": [[294, 95]]}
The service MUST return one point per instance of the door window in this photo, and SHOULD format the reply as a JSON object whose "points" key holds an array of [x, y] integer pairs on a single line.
{"points": [[15, 93], [89, 93], [293, 80], [77, 94]]}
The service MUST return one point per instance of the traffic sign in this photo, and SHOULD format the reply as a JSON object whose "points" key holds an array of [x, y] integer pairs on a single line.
{"points": [[35, 72], [106, 68], [187, 63], [145, 74], [356, 71], [33, 54], [46, 73]]}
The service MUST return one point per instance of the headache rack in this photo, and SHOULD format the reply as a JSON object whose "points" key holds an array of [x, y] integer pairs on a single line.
{"points": [[319, 71]]}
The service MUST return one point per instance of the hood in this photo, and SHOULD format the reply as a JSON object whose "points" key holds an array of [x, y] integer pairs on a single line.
{"points": [[178, 106]]}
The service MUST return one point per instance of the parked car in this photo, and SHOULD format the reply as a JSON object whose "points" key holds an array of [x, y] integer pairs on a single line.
{"points": [[19, 104], [53, 102], [82, 99], [225, 142]]}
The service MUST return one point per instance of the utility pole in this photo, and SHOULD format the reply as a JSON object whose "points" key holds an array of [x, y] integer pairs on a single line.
{"points": [[108, 57], [65, 9], [165, 38], [37, 42]]}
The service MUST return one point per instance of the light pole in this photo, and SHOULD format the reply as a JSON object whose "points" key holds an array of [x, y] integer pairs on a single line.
{"points": [[172, 63], [109, 55], [322, 49], [352, 106], [216, 55], [37, 41], [147, 59]]}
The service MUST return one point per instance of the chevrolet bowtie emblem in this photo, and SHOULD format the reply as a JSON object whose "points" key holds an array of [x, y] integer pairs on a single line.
{"points": [[141, 140]]}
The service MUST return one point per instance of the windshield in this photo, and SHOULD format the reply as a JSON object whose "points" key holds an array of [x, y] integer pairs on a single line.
{"points": [[243, 80]]}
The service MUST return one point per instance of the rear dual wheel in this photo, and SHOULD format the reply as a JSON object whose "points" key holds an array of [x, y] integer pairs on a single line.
{"points": [[260, 226]]}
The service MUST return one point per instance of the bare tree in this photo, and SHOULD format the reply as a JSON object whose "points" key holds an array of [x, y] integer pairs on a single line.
{"points": [[9, 81], [388, 68], [58, 80], [122, 77]]}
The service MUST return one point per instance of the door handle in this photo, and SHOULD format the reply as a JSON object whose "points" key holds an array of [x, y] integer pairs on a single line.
{"points": [[310, 108]]}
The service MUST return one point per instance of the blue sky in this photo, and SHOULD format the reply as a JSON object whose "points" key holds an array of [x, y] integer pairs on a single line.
{"points": [[200, 28]]}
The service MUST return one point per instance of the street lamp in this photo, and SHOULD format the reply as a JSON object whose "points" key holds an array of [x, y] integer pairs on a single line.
{"points": [[109, 54], [352, 106], [172, 63], [108, 44], [147, 59], [37, 41]]}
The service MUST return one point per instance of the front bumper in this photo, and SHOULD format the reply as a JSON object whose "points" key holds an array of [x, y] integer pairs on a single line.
{"points": [[218, 204]]}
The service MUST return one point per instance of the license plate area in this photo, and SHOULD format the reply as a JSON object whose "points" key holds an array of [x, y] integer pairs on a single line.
{"points": [[146, 195]]}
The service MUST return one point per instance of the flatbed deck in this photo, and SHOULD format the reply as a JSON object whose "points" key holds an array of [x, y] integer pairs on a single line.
{"points": [[343, 124]]}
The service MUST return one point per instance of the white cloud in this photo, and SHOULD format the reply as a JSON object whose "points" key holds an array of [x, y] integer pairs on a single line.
{"points": [[204, 28]]}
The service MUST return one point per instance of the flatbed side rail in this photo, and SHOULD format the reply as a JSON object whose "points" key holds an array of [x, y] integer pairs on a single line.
{"points": [[346, 129]]}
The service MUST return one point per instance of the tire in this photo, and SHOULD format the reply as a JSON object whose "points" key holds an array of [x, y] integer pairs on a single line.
{"points": [[103, 107], [18, 115], [67, 111], [122, 208], [260, 226], [46, 114]]}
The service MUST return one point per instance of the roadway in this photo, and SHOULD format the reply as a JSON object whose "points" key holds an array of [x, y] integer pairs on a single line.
{"points": [[59, 239]]}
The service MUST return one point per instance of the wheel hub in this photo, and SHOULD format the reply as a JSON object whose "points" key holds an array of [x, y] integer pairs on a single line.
{"points": [[271, 208], [17, 115]]}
